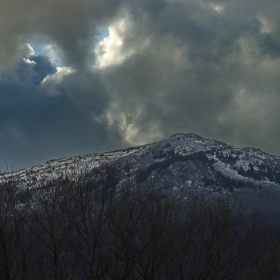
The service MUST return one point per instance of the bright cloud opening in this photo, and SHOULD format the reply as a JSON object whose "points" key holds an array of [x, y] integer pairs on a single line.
{"points": [[55, 54], [110, 50], [41, 46]]}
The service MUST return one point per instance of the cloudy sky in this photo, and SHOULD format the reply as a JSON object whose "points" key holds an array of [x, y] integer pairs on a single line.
{"points": [[89, 76]]}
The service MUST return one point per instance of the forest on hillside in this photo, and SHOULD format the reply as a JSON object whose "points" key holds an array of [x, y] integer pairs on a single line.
{"points": [[101, 227]]}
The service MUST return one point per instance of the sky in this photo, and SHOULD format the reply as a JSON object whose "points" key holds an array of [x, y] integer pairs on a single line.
{"points": [[87, 76]]}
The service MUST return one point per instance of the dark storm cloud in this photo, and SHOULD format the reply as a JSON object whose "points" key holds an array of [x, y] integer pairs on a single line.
{"points": [[36, 126], [198, 67], [69, 23], [208, 67], [86, 90]]}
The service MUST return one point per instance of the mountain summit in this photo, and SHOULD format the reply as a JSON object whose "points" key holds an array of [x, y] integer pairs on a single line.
{"points": [[185, 165]]}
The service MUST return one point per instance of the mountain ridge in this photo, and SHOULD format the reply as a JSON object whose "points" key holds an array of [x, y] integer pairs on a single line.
{"points": [[184, 164]]}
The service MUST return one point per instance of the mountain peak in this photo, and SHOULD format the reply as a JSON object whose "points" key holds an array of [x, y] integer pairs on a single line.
{"points": [[185, 135], [182, 165]]}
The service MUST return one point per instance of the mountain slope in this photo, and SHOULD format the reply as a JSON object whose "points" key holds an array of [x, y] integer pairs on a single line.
{"points": [[184, 164]]}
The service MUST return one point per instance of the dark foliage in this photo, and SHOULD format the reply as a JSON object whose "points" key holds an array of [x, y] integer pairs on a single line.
{"points": [[221, 181], [264, 172], [99, 228], [169, 157]]}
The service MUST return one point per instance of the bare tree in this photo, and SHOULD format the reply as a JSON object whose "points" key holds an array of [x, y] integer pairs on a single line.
{"points": [[104, 225]]}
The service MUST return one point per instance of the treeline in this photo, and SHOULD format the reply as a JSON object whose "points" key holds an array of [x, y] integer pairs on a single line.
{"points": [[101, 228], [264, 172], [169, 157], [220, 181]]}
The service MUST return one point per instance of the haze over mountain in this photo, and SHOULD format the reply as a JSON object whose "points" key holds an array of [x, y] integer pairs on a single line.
{"points": [[184, 165]]}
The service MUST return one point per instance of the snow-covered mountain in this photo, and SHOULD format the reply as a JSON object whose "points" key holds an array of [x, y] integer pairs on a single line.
{"points": [[183, 165]]}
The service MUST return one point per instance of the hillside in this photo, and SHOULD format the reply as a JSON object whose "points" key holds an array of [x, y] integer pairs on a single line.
{"points": [[183, 165]]}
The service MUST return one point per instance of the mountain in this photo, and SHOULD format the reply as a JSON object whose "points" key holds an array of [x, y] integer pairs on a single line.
{"points": [[184, 165]]}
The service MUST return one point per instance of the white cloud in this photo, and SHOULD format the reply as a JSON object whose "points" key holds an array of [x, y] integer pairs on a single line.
{"points": [[110, 50], [51, 81], [28, 61], [218, 8], [126, 124], [266, 28], [55, 54], [26, 50]]}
